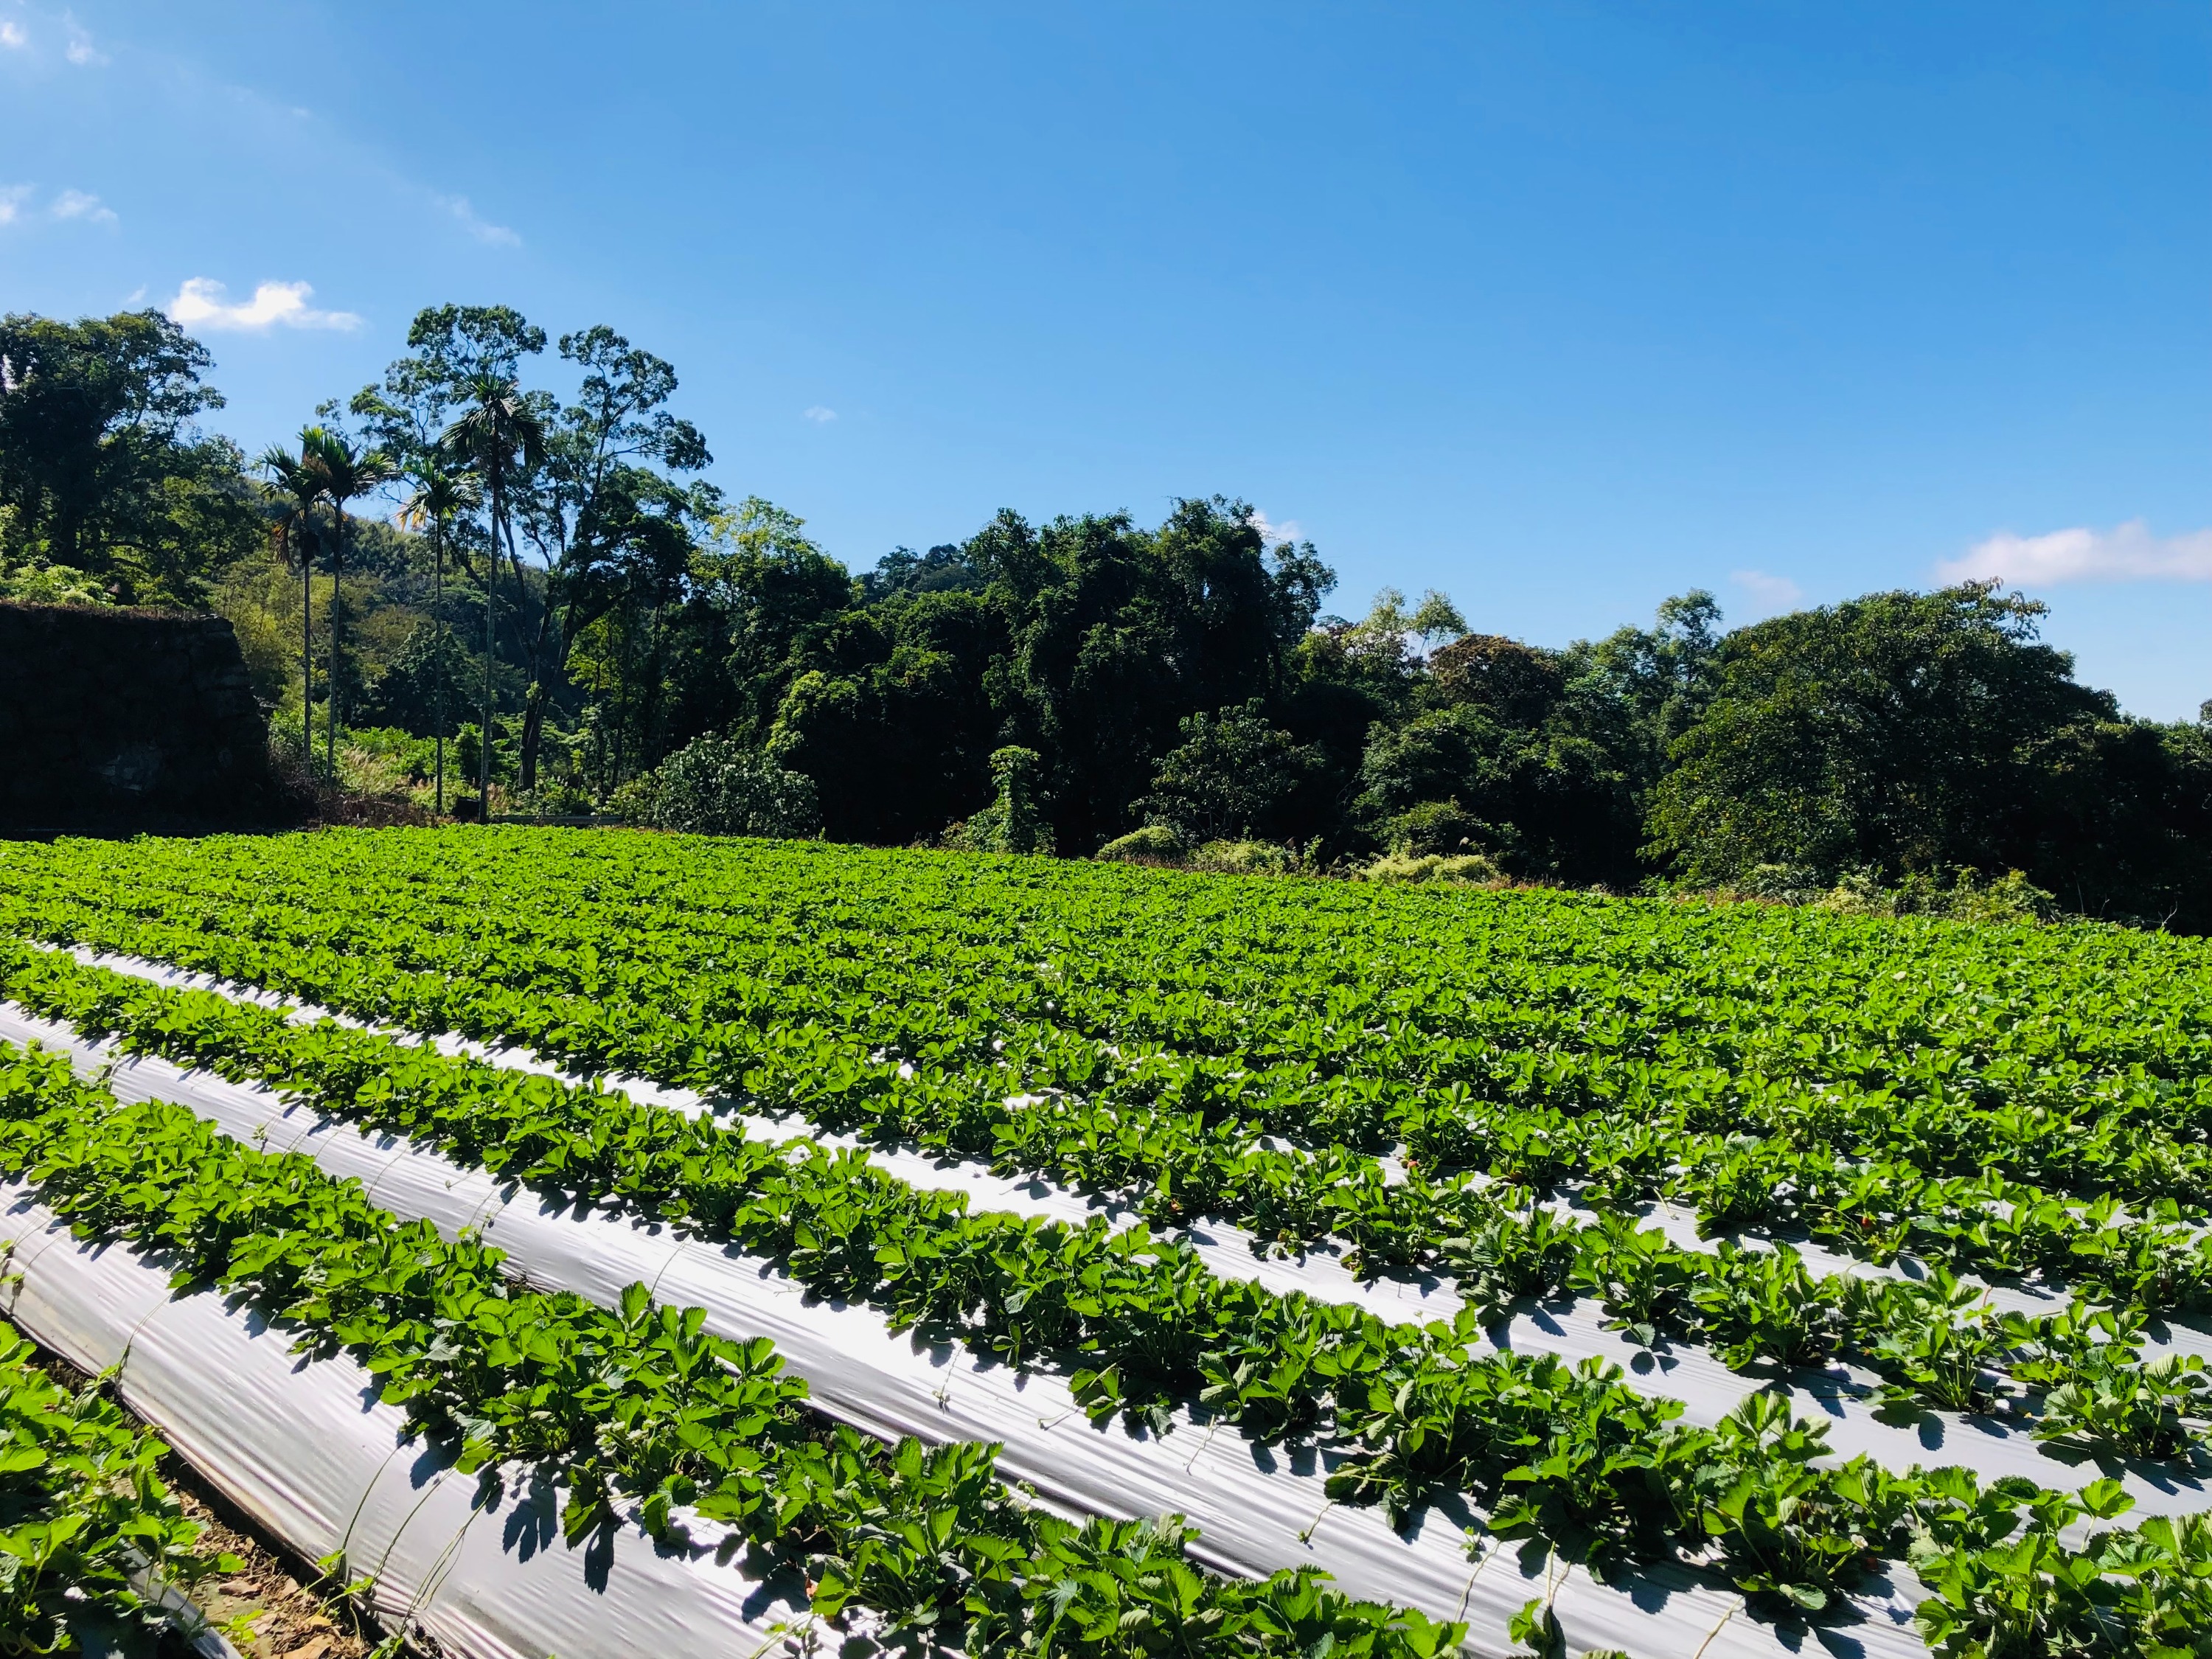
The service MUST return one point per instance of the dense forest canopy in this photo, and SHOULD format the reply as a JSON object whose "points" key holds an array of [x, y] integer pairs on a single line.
{"points": [[459, 552]]}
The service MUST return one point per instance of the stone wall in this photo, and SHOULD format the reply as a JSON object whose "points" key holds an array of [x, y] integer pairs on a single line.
{"points": [[114, 721]]}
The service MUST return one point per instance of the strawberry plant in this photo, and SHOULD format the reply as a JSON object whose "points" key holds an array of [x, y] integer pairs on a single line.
{"points": [[86, 1525], [635, 1406], [1765, 1306], [2034, 1106]]}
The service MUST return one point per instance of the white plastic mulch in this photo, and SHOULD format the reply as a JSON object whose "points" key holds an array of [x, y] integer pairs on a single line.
{"points": [[303, 1449], [1258, 1510]]}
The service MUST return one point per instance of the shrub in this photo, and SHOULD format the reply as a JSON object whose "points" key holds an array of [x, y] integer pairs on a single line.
{"points": [[38, 583], [1153, 844], [1013, 822], [633, 800], [1232, 775], [1963, 897], [1463, 869], [715, 786], [1242, 858], [1443, 827]]}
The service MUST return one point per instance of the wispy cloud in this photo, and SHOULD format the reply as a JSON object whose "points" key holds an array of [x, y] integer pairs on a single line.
{"points": [[820, 414], [2126, 553], [1270, 532], [77, 204], [476, 226], [1769, 593], [77, 46], [15, 205], [199, 303]]}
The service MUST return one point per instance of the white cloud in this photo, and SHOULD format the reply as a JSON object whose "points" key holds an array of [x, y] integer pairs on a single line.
{"points": [[77, 204], [2127, 552], [12, 198], [79, 49], [1768, 593], [1270, 532], [482, 229], [819, 414], [200, 302]]}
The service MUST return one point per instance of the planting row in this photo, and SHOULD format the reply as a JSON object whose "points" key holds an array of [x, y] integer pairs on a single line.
{"points": [[1928, 1342], [1260, 1511], [1209, 962], [90, 1535], [1339, 979], [1609, 1473], [1936, 1343], [1855, 1161], [2082, 1140], [637, 1407]]}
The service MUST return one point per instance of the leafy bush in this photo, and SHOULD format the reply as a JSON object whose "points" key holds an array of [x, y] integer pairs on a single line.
{"points": [[1464, 868], [1443, 827], [1957, 894], [1242, 858], [36, 582], [2009, 897], [1230, 776], [1013, 822], [715, 786], [1153, 844], [1961, 896]]}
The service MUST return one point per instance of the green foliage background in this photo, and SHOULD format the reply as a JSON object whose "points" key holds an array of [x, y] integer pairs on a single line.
{"points": [[570, 593]]}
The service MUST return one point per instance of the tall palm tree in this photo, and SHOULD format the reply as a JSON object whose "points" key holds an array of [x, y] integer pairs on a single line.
{"points": [[500, 435], [441, 492], [298, 488], [347, 470]]}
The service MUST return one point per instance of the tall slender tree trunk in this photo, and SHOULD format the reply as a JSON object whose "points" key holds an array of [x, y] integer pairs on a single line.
{"points": [[491, 596], [533, 729], [337, 565], [306, 651], [527, 754], [533, 710], [438, 611]]}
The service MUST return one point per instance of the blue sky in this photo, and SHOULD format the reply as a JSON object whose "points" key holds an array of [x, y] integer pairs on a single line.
{"points": [[1558, 307]]}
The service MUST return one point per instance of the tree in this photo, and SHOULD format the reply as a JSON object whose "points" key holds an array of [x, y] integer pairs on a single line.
{"points": [[498, 433], [1119, 633], [1230, 777], [945, 569], [717, 786], [1516, 685], [1401, 638], [1013, 823], [346, 471], [442, 492], [600, 508], [777, 589], [1638, 690], [1898, 733], [101, 463], [897, 725], [1538, 799], [458, 391], [298, 488]]}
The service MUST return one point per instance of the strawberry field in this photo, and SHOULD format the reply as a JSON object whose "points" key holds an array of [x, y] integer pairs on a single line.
{"points": [[829, 1246]]}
